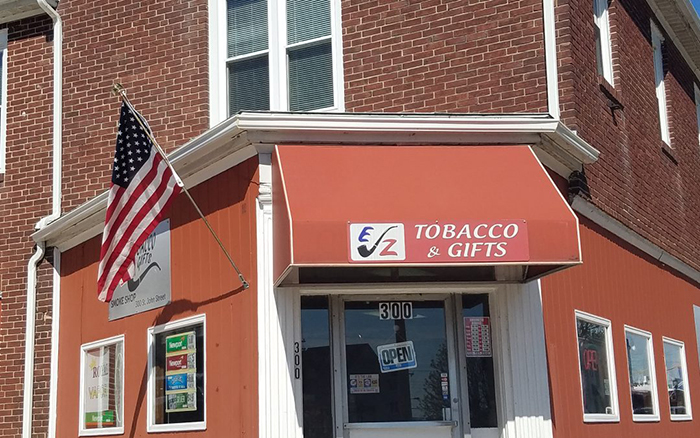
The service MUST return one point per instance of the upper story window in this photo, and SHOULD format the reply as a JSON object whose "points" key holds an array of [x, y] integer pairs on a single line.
{"points": [[282, 55], [601, 23], [657, 41], [597, 367], [3, 97]]}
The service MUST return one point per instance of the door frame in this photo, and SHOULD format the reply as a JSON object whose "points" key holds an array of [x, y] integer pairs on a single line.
{"points": [[450, 293]]}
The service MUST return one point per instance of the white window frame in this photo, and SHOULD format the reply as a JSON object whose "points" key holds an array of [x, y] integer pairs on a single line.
{"points": [[119, 430], [3, 101], [686, 383], [652, 371], [657, 40], [599, 418], [602, 21], [151, 426], [277, 57]]}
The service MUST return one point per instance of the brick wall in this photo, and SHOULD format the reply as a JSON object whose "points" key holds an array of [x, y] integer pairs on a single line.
{"points": [[461, 56], [25, 197], [656, 194], [158, 51]]}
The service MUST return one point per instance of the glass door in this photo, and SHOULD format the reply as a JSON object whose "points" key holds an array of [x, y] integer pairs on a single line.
{"points": [[398, 366]]}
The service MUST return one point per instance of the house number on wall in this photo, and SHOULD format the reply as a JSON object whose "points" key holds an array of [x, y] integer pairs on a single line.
{"points": [[396, 310], [297, 361]]}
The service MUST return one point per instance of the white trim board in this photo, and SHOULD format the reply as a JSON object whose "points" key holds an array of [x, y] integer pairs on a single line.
{"points": [[599, 217]]}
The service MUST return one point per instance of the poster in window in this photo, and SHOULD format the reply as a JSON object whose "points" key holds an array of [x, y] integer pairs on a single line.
{"points": [[477, 335], [181, 372], [97, 389]]}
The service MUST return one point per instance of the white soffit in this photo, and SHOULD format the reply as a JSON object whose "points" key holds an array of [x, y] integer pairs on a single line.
{"points": [[13, 10], [246, 134], [681, 22]]}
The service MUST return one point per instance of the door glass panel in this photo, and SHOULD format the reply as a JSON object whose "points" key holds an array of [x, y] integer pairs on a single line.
{"points": [[397, 363], [479, 352], [316, 367]]}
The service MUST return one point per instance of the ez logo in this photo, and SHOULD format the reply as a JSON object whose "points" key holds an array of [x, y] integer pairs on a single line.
{"points": [[377, 242]]}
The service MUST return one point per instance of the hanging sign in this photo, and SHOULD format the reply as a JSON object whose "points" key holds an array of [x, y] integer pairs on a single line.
{"points": [[181, 372], [364, 383], [150, 287], [477, 334], [396, 357], [97, 388], [437, 242]]}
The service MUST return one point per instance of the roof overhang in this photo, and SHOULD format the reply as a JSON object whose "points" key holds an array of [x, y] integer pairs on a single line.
{"points": [[249, 133], [13, 10], [680, 20], [367, 209]]}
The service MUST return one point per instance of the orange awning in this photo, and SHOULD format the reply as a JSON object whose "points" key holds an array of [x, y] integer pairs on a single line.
{"points": [[419, 206]]}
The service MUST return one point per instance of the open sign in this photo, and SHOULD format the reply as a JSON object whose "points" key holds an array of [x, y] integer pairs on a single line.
{"points": [[396, 357]]}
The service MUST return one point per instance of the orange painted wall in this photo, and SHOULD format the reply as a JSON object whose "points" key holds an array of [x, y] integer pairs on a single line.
{"points": [[622, 284], [202, 282]]}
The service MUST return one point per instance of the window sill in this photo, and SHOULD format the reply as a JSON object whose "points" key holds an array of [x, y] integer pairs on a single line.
{"points": [[669, 152], [176, 427], [102, 432], [681, 418], [646, 418], [614, 98], [601, 418]]}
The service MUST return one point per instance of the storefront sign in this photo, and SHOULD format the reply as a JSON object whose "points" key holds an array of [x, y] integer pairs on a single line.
{"points": [[97, 389], [477, 335], [434, 242], [181, 372], [397, 357], [150, 287], [364, 383]]}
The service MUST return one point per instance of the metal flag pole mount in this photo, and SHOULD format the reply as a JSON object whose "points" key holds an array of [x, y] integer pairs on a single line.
{"points": [[118, 89]]}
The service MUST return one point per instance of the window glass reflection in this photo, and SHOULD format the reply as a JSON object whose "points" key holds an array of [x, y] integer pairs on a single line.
{"points": [[641, 383], [675, 378], [480, 375], [593, 357], [412, 381]]}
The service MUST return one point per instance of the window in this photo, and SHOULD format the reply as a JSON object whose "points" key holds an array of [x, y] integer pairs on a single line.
{"points": [[102, 387], [601, 23], [597, 367], [657, 41], [316, 370], [282, 55], [642, 375], [3, 98], [481, 380], [677, 380], [176, 380]]}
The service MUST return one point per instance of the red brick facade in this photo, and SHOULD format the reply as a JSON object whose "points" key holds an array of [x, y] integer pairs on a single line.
{"points": [[653, 192], [444, 56], [25, 197]]}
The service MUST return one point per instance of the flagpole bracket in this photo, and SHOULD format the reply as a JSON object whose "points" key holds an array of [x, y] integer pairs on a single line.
{"points": [[246, 285], [118, 89]]}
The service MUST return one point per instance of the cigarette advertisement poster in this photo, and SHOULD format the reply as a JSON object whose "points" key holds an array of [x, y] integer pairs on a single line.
{"points": [[97, 389], [181, 372]]}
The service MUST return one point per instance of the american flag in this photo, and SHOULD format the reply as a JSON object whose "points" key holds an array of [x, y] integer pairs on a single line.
{"points": [[142, 188]]}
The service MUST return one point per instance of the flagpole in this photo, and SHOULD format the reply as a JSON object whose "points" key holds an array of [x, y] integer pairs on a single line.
{"points": [[121, 91]]}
